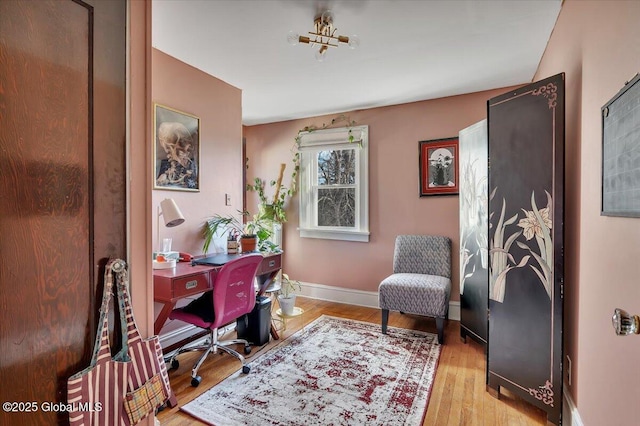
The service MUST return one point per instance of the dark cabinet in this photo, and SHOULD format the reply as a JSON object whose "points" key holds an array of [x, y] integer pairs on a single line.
{"points": [[526, 207], [474, 228]]}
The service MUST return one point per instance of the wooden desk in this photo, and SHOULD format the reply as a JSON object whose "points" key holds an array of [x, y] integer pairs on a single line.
{"points": [[171, 285]]}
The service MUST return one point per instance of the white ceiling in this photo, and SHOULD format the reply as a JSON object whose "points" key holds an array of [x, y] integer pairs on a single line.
{"points": [[410, 50]]}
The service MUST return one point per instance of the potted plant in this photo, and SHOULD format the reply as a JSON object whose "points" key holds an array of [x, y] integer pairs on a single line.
{"points": [[287, 296], [252, 234]]}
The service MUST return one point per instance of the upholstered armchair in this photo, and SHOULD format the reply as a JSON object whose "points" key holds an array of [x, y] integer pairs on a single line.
{"points": [[421, 279]]}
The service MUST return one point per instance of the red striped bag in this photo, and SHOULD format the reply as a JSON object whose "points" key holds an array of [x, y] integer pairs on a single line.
{"points": [[95, 395], [128, 387], [148, 372]]}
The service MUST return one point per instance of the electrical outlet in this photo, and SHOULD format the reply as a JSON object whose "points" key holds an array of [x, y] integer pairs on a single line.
{"points": [[568, 370], [227, 199]]}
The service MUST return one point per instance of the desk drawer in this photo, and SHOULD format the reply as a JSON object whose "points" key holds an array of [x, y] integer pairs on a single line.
{"points": [[270, 264], [190, 285]]}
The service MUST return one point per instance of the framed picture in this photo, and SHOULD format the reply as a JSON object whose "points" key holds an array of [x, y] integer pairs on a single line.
{"points": [[620, 153], [176, 151], [439, 167]]}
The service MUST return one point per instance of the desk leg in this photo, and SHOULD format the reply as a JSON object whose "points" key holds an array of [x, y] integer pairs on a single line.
{"points": [[265, 284], [157, 326], [162, 318], [274, 332]]}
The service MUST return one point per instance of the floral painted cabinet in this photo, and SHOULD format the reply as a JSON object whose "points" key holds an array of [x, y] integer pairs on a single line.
{"points": [[526, 201], [474, 227]]}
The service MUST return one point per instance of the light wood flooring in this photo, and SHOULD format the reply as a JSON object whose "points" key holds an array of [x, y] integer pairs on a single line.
{"points": [[458, 396]]}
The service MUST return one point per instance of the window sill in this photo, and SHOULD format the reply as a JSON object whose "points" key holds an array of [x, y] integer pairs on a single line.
{"points": [[335, 234]]}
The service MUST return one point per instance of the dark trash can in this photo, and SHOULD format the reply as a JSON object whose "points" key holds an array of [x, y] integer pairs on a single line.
{"points": [[255, 326]]}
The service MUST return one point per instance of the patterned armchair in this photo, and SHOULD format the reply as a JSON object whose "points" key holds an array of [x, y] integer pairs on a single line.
{"points": [[421, 279]]}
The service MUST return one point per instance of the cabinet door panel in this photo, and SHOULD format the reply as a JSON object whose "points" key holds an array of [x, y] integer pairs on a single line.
{"points": [[474, 227], [526, 187], [62, 186]]}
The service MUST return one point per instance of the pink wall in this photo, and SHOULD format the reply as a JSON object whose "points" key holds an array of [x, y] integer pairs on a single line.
{"points": [[597, 45], [394, 203], [219, 107]]}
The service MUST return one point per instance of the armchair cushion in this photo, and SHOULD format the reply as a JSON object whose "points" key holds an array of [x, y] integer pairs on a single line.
{"points": [[418, 294]]}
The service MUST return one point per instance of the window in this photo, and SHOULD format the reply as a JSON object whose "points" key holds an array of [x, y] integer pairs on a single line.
{"points": [[334, 178]]}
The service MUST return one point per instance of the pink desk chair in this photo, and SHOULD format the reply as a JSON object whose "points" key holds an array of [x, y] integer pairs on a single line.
{"points": [[233, 296]]}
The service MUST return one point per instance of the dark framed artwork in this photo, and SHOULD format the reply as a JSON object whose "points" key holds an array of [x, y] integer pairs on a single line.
{"points": [[621, 152], [439, 167], [176, 152]]}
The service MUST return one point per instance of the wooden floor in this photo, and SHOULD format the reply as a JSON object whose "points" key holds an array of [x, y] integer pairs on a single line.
{"points": [[458, 396]]}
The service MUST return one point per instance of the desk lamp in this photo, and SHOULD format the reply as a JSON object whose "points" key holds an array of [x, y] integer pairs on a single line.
{"points": [[172, 216]]}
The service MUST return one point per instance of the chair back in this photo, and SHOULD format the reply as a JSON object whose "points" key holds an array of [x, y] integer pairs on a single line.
{"points": [[422, 254], [233, 291]]}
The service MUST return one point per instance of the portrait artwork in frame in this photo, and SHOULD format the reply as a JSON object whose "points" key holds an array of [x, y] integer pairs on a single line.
{"points": [[176, 144], [439, 167]]}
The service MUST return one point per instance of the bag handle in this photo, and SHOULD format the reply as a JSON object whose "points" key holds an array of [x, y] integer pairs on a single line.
{"points": [[102, 346], [130, 333]]}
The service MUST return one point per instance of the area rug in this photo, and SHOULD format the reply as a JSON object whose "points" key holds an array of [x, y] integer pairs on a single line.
{"points": [[332, 372]]}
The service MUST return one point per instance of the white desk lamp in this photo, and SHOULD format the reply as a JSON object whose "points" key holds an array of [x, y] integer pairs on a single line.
{"points": [[172, 216]]}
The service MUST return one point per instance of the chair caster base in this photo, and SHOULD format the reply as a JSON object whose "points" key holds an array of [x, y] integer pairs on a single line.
{"points": [[196, 381], [247, 350], [246, 369], [175, 364]]}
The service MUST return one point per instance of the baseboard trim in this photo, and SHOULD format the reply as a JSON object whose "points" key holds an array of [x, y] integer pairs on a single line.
{"points": [[356, 297], [570, 410], [177, 335]]}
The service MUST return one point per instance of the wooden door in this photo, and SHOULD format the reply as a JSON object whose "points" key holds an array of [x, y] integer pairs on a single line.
{"points": [[526, 197], [474, 246], [62, 186]]}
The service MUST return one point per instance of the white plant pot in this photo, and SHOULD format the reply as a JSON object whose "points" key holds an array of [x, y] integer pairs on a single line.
{"points": [[287, 304]]}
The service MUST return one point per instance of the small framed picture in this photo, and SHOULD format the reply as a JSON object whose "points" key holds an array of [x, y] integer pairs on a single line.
{"points": [[439, 167], [176, 145]]}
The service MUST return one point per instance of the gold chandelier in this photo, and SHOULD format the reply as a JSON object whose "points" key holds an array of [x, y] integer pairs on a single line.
{"points": [[324, 35]]}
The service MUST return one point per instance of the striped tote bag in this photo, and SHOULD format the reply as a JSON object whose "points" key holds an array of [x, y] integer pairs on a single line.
{"points": [[95, 395], [125, 388], [148, 382]]}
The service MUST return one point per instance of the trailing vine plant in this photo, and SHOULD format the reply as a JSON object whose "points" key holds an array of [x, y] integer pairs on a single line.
{"points": [[274, 209]]}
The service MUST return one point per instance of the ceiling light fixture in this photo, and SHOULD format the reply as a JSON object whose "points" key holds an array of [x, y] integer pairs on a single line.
{"points": [[324, 35]]}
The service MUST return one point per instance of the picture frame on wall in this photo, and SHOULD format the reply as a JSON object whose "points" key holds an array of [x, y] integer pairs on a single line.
{"points": [[438, 160], [620, 154], [176, 154]]}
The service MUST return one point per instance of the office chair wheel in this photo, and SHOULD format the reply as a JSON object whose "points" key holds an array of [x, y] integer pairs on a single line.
{"points": [[247, 350], [175, 364], [246, 369], [196, 381]]}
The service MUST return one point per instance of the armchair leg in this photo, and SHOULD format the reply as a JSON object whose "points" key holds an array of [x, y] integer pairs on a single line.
{"points": [[385, 320], [440, 327]]}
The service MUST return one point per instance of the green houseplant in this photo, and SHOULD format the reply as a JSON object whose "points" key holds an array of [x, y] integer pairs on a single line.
{"points": [[252, 234], [273, 210], [287, 296]]}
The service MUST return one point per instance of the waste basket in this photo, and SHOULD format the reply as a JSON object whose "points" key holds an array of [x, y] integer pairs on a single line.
{"points": [[255, 326]]}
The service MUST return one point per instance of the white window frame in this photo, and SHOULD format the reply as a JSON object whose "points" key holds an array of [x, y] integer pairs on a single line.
{"points": [[356, 138]]}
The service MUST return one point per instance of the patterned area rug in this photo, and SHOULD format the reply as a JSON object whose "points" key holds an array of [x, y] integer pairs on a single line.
{"points": [[332, 372]]}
